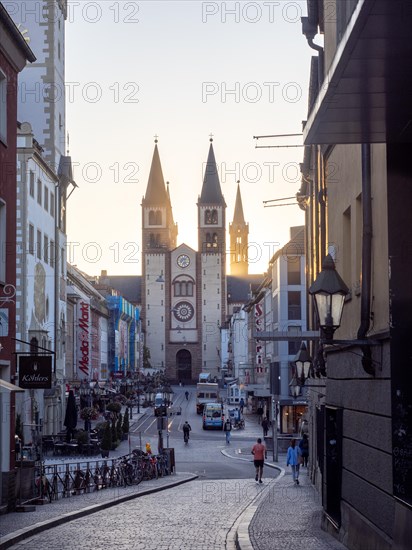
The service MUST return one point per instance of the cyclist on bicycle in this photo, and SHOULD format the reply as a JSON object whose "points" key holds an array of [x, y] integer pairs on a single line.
{"points": [[187, 395], [186, 430]]}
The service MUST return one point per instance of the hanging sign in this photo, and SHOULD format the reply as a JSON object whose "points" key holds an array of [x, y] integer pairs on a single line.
{"points": [[35, 372]]}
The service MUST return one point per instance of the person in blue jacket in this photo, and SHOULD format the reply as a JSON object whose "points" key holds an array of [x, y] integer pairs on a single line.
{"points": [[293, 460]]}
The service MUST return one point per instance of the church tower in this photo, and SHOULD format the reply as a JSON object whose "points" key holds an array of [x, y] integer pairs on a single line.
{"points": [[159, 234], [211, 264], [239, 242]]}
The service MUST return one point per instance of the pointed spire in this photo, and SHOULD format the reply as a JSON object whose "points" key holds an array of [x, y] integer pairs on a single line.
{"points": [[238, 217], [211, 191], [156, 193]]}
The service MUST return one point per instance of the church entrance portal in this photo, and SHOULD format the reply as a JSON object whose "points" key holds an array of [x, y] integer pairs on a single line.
{"points": [[184, 365]]}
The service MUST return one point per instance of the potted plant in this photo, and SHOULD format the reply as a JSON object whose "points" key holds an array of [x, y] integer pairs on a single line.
{"points": [[106, 443], [119, 431], [88, 414], [114, 406], [125, 425], [114, 434]]}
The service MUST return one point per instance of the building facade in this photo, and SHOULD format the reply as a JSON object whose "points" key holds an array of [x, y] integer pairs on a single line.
{"points": [[14, 54], [356, 193], [36, 274], [183, 290]]}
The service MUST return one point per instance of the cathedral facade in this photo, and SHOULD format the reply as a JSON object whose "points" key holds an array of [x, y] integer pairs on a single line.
{"points": [[184, 291]]}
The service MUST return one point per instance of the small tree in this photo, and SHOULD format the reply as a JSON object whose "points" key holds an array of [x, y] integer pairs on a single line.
{"points": [[126, 426], [119, 430], [114, 434], [106, 444], [114, 406]]}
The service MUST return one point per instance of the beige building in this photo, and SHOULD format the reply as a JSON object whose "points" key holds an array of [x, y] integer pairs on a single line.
{"points": [[356, 191]]}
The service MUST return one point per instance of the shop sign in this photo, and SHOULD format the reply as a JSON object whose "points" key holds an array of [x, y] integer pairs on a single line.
{"points": [[35, 372]]}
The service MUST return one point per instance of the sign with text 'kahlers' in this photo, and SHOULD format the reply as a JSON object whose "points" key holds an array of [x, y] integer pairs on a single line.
{"points": [[35, 372]]}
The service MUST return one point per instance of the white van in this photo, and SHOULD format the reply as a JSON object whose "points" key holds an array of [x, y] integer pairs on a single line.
{"points": [[159, 400]]}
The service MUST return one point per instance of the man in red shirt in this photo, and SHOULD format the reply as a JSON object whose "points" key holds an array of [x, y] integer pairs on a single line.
{"points": [[259, 453]]}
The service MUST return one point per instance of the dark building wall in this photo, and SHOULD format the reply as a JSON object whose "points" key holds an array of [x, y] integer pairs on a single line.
{"points": [[400, 291], [367, 507]]}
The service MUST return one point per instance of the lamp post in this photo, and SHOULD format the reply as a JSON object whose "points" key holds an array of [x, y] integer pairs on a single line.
{"points": [[86, 393], [138, 393]]}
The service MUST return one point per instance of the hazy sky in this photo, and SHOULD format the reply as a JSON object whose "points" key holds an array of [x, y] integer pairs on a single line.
{"points": [[181, 70]]}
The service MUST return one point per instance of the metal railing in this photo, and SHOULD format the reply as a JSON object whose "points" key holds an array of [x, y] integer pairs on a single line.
{"points": [[55, 481]]}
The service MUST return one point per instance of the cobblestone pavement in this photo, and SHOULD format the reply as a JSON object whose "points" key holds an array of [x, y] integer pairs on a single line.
{"points": [[198, 515], [16, 524], [286, 516]]}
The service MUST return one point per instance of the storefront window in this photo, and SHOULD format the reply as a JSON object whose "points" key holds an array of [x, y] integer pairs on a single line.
{"points": [[291, 418]]}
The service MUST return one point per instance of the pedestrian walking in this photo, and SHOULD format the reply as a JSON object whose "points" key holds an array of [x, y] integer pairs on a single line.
{"points": [[293, 459], [259, 453], [265, 426], [304, 448], [242, 404], [227, 428], [259, 412]]}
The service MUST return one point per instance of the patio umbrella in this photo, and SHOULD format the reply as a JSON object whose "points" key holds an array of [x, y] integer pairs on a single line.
{"points": [[70, 418]]}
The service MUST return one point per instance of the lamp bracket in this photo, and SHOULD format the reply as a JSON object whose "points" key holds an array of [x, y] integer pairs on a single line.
{"points": [[366, 342]]}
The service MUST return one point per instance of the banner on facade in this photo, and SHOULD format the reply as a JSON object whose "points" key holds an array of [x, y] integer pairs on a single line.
{"points": [[35, 372], [83, 338]]}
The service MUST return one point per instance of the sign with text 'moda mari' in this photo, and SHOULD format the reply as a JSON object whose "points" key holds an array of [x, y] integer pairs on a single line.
{"points": [[35, 372]]}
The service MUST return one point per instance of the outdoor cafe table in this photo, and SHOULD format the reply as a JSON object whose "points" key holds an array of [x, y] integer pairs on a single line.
{"points": [[59, 448]]}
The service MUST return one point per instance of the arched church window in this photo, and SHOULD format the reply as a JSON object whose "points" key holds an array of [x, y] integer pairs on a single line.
{"points": [[208, 240], [152, 217], [214, 216], [214, 240], [158, 218], [189, 288], [208, 217], [177, 289]]}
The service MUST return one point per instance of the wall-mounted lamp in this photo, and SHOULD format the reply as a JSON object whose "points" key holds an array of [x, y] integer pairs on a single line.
{"points": [[329, 292], [303, 362], [294, 387]]}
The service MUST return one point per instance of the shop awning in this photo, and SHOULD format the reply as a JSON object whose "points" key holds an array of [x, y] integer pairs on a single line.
{"points": [[7, 386], [365, 97]]}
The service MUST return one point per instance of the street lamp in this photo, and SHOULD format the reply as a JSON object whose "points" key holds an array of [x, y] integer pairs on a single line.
{"points": [[303, 362], [294, 387], [329, 292]]}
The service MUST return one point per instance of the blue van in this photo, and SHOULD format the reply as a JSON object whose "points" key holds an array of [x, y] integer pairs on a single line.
{"points": [[213, 416]]}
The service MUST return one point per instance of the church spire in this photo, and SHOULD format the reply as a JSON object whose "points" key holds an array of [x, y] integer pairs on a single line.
{"points": [[156, 193], [238, 217], [239, 240], [211, 191]]}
